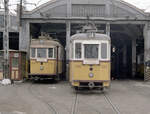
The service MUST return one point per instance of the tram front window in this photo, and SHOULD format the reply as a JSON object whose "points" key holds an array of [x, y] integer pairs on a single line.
{"points": [[91, 51], [41, 52]]}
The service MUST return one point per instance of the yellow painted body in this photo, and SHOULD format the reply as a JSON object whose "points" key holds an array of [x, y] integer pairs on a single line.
{"points": [[47, 68], [1, 75], [79, 72]]}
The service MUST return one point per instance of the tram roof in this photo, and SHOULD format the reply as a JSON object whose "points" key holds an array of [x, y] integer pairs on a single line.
{"points": [[85, 36], [45, 42]]}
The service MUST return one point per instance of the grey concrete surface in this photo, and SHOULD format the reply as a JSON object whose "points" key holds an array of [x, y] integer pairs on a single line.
{"points": [[127, 96]]}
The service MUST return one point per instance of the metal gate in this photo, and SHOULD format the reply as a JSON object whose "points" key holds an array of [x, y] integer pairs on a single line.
{"points": [[147, 71]]}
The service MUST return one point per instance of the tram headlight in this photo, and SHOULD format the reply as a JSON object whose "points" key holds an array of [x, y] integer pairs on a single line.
{"points": [[91, 75]]}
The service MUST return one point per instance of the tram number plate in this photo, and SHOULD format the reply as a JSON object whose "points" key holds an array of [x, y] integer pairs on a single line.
{"points": [[91, 62]]}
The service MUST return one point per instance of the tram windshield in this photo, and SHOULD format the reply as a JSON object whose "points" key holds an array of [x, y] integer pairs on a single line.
{"points": [[41, 52], [91, 51]]}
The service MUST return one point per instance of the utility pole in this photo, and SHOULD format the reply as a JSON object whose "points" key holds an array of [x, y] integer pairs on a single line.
{"points": [[20, 15], [6, 41]]}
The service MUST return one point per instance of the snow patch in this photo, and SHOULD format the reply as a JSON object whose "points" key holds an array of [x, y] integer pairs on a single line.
{"points": [[52, 87], [142, 85], [6, 82], [17, 112]]}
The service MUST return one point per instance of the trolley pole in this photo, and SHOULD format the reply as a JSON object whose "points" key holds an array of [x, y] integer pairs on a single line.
{"points": [[6, 41]]}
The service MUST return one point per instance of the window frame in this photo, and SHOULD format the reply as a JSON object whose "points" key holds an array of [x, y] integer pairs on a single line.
{"points": [[74, 49], [98, 58], [108, 51], [99, 42], [35, 53], [48, 53]]}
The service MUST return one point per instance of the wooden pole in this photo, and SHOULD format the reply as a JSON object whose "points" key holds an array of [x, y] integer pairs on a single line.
{"points": [[6, 40]]}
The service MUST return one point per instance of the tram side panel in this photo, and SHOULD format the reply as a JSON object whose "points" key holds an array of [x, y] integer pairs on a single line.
{"points": [[44, 68]]}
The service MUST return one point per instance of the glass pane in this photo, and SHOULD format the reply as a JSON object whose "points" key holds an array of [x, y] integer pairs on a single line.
{"points": [[41, 52], [33, 52], [78, 50], [50, 52], [14, 62], [104, 50], [91, 51]]}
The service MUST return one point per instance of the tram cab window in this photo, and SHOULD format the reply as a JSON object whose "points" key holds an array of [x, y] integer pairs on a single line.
{"points": [[104, 50], [41, 52], [33, 52], [50, 52], [91, 51], [78, 50]]}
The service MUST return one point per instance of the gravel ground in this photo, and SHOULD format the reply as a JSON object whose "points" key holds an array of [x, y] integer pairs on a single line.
{"points": [[124, 97]]}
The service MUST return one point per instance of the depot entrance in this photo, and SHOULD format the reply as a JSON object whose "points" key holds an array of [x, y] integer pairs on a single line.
{"points": [[127, 45], [127, 51]]}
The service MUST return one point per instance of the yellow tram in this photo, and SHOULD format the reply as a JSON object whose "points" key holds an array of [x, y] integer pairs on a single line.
{"points": [[46, 58], [89, 63]]}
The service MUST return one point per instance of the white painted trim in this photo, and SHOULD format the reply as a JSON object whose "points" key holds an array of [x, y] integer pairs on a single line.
{"points": [[108, 50], [74, 56], [99, 42]]}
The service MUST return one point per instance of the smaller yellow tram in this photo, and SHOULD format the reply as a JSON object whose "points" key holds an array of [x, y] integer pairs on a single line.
{"points": [[89, 62], [46, 58]]}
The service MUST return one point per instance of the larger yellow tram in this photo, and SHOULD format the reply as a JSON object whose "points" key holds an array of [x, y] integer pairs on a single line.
{"points": [[46, 58], [89, 64]]}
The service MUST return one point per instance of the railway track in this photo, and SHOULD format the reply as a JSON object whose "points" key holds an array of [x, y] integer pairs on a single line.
{"points": [[109, 101], [77, 102], [114, 108], [35, 95], [75, 109]]}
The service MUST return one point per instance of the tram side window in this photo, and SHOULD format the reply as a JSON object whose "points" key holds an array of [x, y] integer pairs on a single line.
{"points": [[41, 52], [91, 51], [78, 50], [55, 52], [50, 52], [104, 50]]}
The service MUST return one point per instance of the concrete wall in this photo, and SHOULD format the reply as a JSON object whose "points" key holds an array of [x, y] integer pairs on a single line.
{"points": [[12, 23], [147, 49]]}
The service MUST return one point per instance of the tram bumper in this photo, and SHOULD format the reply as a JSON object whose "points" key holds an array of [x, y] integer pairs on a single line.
{"points": [[91, 83]]}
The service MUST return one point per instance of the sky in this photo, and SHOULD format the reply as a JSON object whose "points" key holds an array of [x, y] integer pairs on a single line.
{"points": [[142, 4]]}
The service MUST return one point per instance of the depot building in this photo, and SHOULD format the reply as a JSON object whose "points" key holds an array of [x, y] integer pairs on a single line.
{"points": [[128, 27]]}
